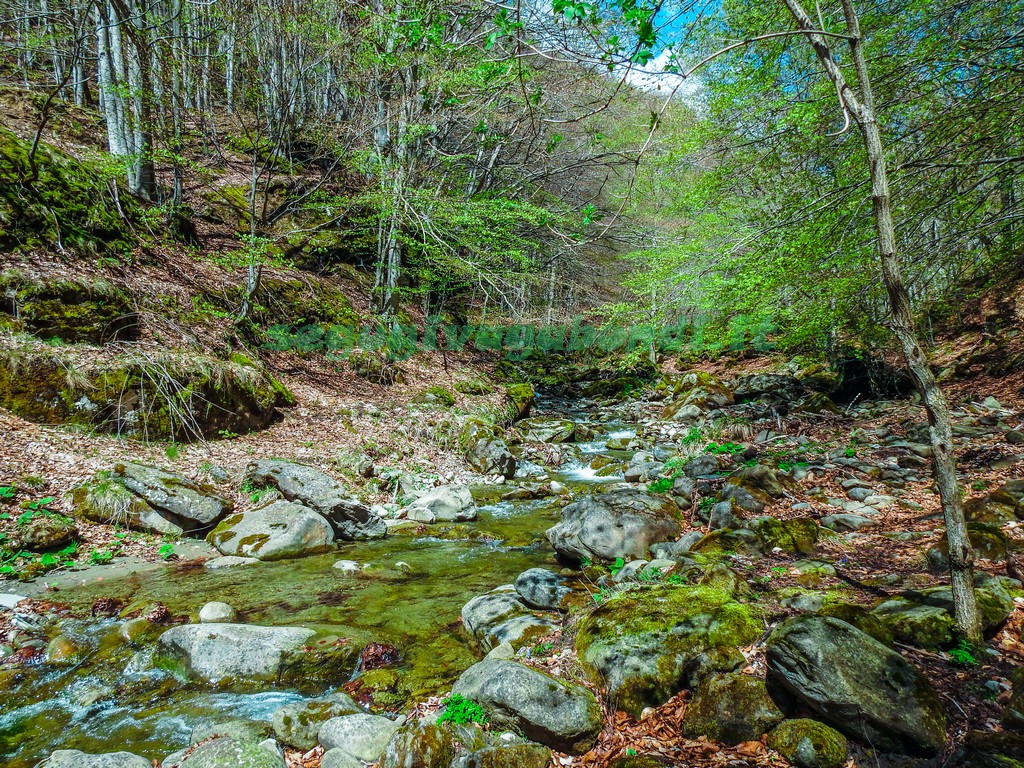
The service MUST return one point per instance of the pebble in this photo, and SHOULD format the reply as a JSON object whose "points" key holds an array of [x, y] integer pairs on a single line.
{"points": [[8, 601], [229, 561], [217, 613], [347, 566]]}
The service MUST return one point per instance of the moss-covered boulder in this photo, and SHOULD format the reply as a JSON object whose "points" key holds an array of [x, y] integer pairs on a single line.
{"points": [[985, 749], [277, 531], [925, 619], [696, 388], [857, 685], [485, 450], [762, 535], [731, 708], [420, 745], [154, 396], [72, 310], [66, 204], [988, 541], [639, 643], [809, 744], [521, 397], [438, 396], [861, 618], [46, 531], [548, 430], [149, 499], [1013, 713]]}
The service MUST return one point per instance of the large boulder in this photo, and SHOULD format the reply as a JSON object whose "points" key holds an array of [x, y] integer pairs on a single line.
{"points": [[619, 523], [548, 430], [639, 643], [500, 616], [731, 708], [770, 387], [485, 450], [148, 498], [560, 715], [447, 504], [698, 389], [277, 531], [856, 684], [235, 654], [925, 619], [349, 517], [73, 758]]}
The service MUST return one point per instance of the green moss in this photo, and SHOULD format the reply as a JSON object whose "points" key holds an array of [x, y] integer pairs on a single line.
{"points": [[67, 205], [660, 630], [809, 744], [731, 708], [436, 396], [521, 398], [798, 536]]}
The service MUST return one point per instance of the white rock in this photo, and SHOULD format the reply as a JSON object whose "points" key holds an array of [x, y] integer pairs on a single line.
{"points": [[347, 566], [362, 736], [229, 561], [217, 613], [9, 601]]}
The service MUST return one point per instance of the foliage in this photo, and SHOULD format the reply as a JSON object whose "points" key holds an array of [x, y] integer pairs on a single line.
{"points": [[724, 448], [963, 654], [460, 711]]}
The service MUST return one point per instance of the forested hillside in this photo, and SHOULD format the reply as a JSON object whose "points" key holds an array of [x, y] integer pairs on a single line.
{"points": [[489, 385]]}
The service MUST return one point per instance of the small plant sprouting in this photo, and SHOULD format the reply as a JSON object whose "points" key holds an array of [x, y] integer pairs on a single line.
{"points": [[7, 492], [255, 492], [661, 485], [724, 448], [166, 551], [172, 451], [460, 711], [617, 566], [963, 654]]}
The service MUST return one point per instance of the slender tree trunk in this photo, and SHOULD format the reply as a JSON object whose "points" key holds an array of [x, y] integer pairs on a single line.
{"points": [[862, 108]]}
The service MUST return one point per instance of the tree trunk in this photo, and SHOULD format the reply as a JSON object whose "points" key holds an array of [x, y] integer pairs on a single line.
{"points": [[862, 108]]}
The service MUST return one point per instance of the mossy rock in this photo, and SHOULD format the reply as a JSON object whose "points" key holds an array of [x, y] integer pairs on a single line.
{"points": [[988, 541], [295, 302], [472, 387], [375, 367], [435, 396], [172, 397], [620, 386], [72, 310], [809, 744], [985, 749], [731, 708], [796, 536], [861, 618], [639, 643], [46, 531], [521, 398], [925, 619], [639, 761], [67, 206]]}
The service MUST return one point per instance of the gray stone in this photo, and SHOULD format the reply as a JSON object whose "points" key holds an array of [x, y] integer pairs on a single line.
{"points": [[229, 561], [420, 745], [349, 517], [618, 523], [231, 753], [248, 653], [859, 494], [9, 601], [363, 736], [246, 731], [722, 516], [857, 685], [671, 550], [547, 430], [172, 504], [447, 504], [501, 617], [847, 522], [297, 724], [543, 589], [217, 613], [73, 758], [552, 712], [275, 532], [339, 758]]}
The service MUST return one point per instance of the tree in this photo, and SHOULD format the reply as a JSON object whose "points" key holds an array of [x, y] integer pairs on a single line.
{"points": [[859, 106]]}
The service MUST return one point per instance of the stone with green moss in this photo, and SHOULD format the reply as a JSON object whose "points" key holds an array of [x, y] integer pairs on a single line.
{"points": [[861, 618], [420, 745], [521, 398], [796, 536], [277, 531], [809, 744], [65, 205], [75, 310], [296, 724], [639, 642], [925, 619], [170, 396], [731, 708], [46, 531], [988, 541], [435, 396]]}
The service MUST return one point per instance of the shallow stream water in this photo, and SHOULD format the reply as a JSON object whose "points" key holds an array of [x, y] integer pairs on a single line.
{"points": [[409, 592]]}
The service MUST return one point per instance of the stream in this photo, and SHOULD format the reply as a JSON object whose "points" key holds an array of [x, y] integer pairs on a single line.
{"points": [[408, 592]]}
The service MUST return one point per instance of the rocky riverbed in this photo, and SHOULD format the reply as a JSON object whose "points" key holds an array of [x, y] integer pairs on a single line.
{"points": [[734, 563]]}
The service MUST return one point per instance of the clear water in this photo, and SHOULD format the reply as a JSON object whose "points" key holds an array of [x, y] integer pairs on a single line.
{"points": [[113, 700]]}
